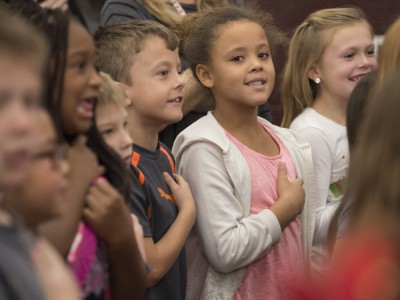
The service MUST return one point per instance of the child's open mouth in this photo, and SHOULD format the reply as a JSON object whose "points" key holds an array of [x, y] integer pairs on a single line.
{"points": [[357, 78], [177, 99], [260, 82], [86, 107]]}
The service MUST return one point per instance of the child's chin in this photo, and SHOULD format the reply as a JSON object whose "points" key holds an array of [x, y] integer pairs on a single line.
{"points": [[171, 121], [178, 117], [84, 127], [81, 127]]}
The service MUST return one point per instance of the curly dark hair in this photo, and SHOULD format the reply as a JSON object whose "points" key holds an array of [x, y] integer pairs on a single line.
{"points": [[198, 32]]}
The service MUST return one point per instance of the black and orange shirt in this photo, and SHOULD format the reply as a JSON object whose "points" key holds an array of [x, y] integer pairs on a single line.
{"points": [[153, 204]]}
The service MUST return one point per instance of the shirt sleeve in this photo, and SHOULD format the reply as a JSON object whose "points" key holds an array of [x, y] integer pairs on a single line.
{"points": [[140, 206], [322, 160], [230, 240]]}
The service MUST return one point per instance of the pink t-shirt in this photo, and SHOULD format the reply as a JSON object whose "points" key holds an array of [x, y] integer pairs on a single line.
{"points": [[269, 277]]}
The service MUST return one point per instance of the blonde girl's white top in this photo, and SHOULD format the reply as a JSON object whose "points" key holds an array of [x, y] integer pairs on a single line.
{"points": [[330, 151]]}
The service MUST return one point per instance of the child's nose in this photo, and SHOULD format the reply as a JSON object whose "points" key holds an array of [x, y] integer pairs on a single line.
{"points": [[256, 65], [365, 61], [95, 80], [127, 140]]}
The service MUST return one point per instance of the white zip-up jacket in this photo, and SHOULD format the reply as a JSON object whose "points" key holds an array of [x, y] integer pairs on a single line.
{"points": [[225, 238]]}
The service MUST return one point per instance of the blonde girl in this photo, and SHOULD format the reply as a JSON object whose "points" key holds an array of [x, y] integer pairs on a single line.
{"points": [[330, 51]]}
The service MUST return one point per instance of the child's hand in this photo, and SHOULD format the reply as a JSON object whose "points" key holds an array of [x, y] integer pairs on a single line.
{"points": [[107, 213], [181, 192], [291, 192], [84, 167], [83, 161], [291, 197]]}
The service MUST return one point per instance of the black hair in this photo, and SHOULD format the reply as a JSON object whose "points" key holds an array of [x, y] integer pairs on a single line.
{"points": [[55, 24], [198, 32], [356, 107], [115, 169], [355, 117]]}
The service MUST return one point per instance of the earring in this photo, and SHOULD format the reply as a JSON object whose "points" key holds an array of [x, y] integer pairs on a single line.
{"points": [[317, 80]]}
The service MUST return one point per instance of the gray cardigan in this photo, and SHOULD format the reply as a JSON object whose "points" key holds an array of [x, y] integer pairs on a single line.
{"points": [[226, 238]]}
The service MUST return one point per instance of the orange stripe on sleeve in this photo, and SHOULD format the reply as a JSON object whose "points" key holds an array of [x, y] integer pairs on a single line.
{"points": [[135, 162], [171, 162]]}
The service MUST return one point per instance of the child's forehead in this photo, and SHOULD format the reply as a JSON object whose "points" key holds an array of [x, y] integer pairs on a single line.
{"points": [[155, 50], [110, 112], [348, 35], [21, 76], [239, 32], [151, 41], [79, 39], [21, 61], [239, 27], [109, 104]]}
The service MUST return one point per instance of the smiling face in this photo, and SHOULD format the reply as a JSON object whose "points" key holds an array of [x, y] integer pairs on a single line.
{"points": [[241, 71], [348, 57], [156, 92], [20, 94], [112, 123], [81, 82]]}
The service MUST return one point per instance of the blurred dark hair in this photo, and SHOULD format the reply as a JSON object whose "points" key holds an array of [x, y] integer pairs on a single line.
{"points": [[358, 101], [55, 24], [116, 171], [375, 163]]}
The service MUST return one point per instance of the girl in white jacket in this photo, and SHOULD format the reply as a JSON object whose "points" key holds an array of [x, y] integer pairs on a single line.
{"points": [[244, 172]]}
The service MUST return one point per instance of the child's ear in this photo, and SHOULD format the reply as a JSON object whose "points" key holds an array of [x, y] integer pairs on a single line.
{"points": [[313, 72], [204, 76], [128, 101]]}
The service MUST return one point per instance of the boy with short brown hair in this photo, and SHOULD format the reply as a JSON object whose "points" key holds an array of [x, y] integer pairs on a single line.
{"points": [[143, 57]]}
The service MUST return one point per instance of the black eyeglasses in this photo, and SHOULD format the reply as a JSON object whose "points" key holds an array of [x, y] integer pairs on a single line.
{"points": [[56, 155]]}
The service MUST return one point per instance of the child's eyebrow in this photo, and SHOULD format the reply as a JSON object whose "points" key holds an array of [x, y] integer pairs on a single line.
{"points": [[241, 48], [165, 63], [77, 55], [79, 52], [371, 45]]}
